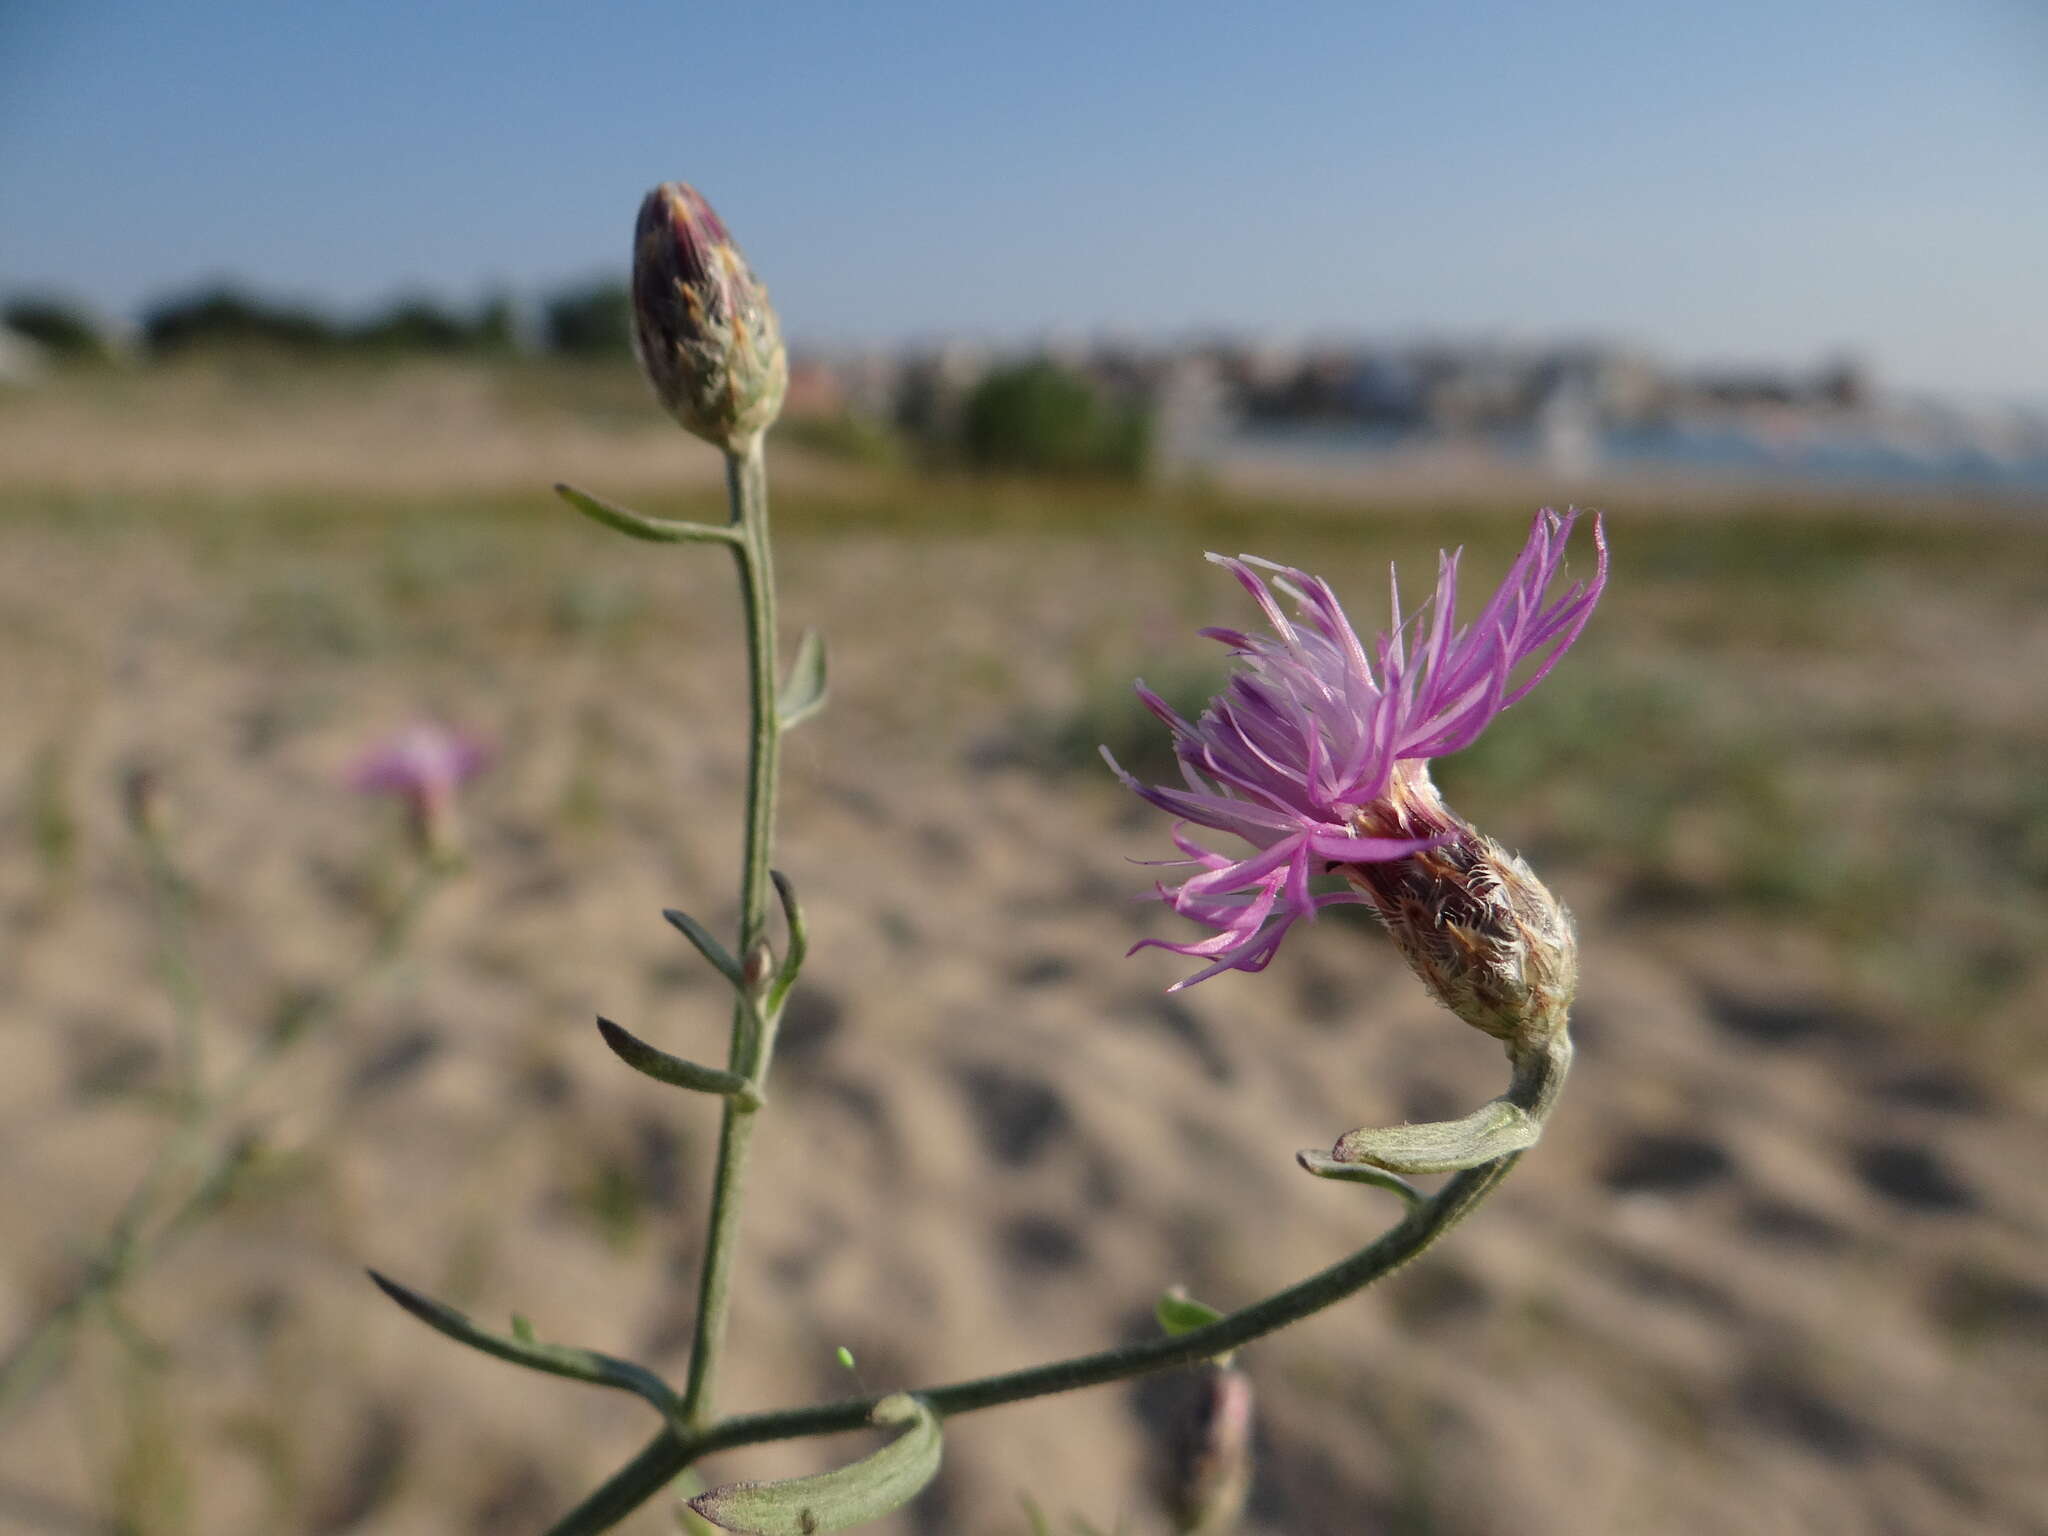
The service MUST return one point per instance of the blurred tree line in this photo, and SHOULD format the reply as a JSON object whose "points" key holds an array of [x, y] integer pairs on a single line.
{"points": [[590, 319], [1035, 416]]}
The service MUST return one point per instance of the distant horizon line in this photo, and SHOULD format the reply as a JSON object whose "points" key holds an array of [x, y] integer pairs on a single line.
{"points": [[527, 298]]}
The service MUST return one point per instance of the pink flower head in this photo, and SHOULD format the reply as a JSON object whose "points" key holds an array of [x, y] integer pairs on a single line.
{"points": [[1317, 752], [426, 765]]}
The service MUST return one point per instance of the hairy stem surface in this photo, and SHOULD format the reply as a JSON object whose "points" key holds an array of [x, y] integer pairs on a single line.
{"points": [[747, 489]]}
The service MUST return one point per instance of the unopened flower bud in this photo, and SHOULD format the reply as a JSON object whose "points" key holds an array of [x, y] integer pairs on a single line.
{"points": [[757, 967], [1213, 1472], [1471, 919], [702, 324]]}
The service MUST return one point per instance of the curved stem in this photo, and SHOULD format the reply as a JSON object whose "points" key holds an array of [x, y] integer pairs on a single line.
{"points": [[667, 1454], [132, 1242], [752, 1034]]}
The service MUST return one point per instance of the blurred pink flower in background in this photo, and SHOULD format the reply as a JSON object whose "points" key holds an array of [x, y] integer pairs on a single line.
{"points": [[426, 765]]}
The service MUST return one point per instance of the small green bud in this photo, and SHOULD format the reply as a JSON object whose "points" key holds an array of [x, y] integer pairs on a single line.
{"points": [[759, 967], [706, 334], [1213, 1467]]}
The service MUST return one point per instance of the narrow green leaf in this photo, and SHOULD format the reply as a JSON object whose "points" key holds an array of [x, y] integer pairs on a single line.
{"points": [[1444, 1146], [720, 957], [799, 945], [802, 693], [555, 1359], [656, 530], [1180, 1313], [1324, 1166], [843, 1498], [688, 1484], [522, 1329], [674, 1070]]}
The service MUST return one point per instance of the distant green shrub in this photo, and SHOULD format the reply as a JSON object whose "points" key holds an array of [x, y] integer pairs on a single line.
{"points": [[225, 317], [67, 331], [417, 324], [593, 320], [1041, 418]]}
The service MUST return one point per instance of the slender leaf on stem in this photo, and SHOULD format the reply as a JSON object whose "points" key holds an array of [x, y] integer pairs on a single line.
{"points": [[656, 530], [1179, 1313], [799, 944], [688, 1521], [1490, 1132], [1324, 1166], [674, 1070], [720, 957], [844, 1497], [556, 1359], [802, 693]]}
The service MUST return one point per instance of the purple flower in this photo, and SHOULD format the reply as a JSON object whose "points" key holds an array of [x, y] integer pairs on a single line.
{"points": [[1317, 752], [426, 765]]}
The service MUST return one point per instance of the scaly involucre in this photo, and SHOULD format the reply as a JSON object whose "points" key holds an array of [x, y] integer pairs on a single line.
{"points": [[706, 334], [1318, 746]]}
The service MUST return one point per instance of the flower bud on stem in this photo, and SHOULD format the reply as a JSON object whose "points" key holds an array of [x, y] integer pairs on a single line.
{"points": [[1213, 1471], [706, 334]]}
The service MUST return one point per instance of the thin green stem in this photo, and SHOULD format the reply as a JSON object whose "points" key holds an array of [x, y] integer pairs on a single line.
{"points": [[138, 1233], [180, 981], [747, 484], [752, 1031], [665, 1456]]}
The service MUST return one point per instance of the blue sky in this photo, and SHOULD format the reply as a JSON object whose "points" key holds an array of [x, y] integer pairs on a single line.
{"points": [[1731, 182]]}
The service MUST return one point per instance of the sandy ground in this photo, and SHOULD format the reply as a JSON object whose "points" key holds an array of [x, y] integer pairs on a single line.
{"points": [[393, 429], [1777, 1268]]}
